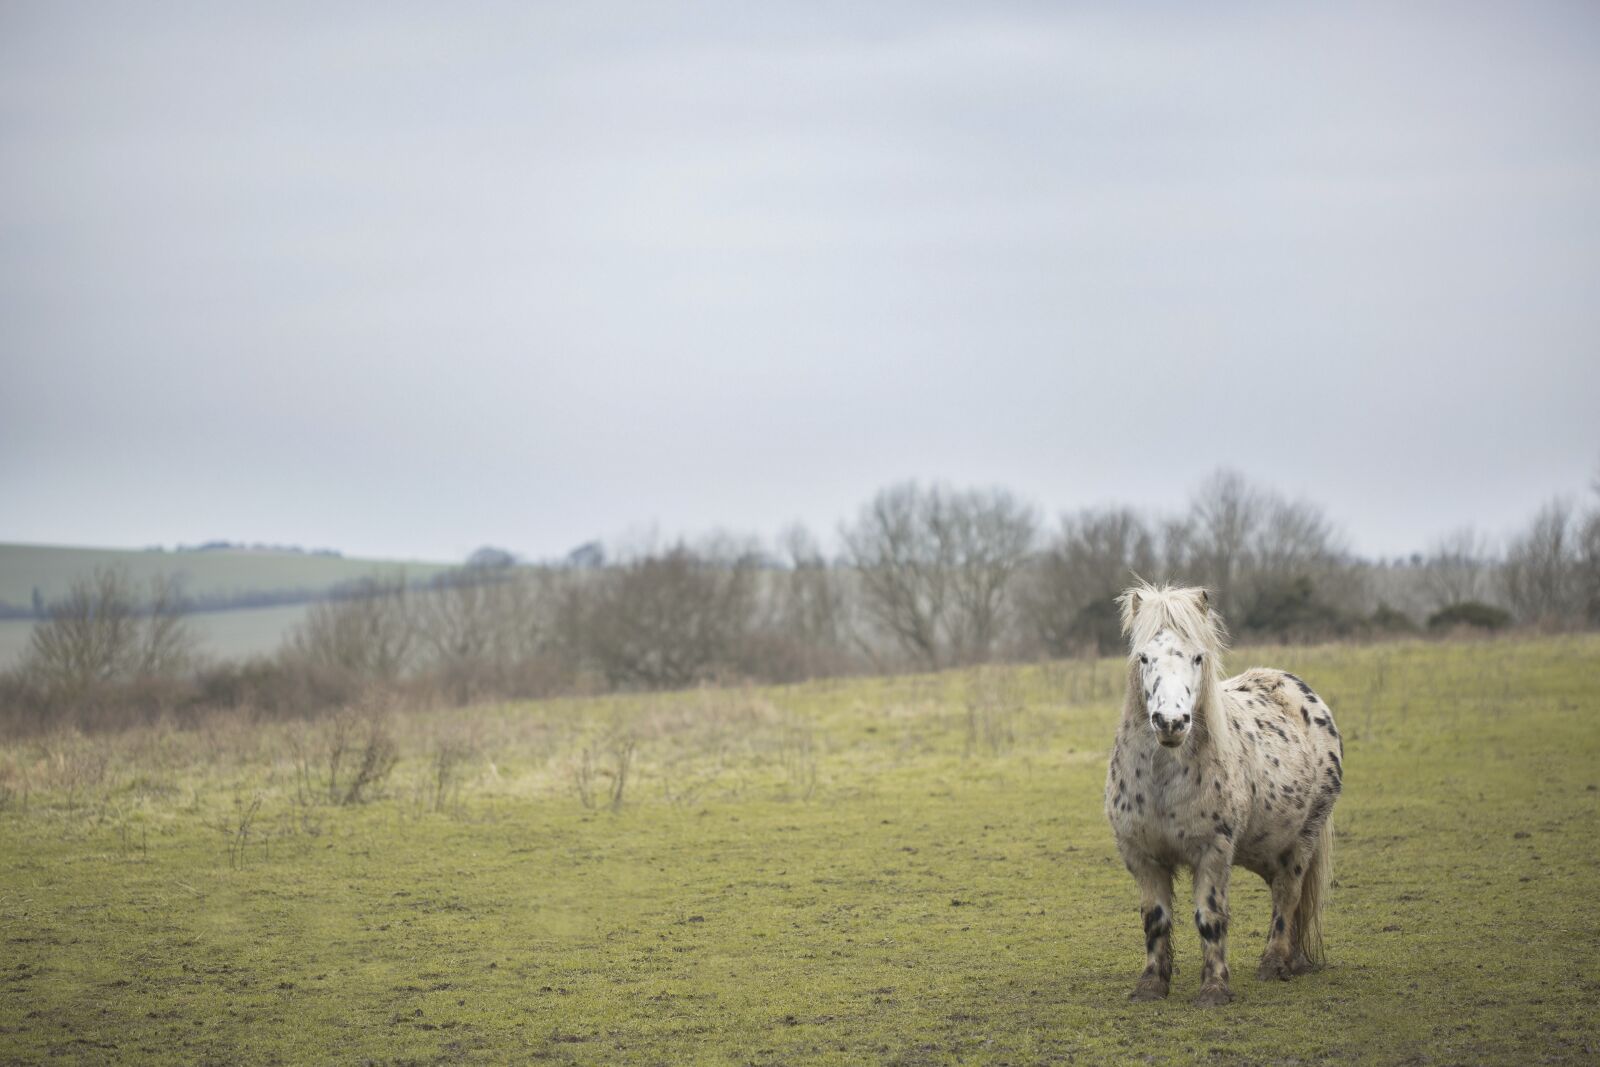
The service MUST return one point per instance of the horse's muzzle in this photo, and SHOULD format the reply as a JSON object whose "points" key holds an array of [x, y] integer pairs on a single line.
{"points": [[1170, 730]]}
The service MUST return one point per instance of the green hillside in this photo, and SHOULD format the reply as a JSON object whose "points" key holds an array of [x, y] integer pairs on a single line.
{"points": [[51, 569]]}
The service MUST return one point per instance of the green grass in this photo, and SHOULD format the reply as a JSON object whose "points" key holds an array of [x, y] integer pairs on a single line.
{"points": [[910, 870]]}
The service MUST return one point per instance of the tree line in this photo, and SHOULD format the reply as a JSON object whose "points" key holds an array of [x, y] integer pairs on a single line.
{"points": [[927, 577]]}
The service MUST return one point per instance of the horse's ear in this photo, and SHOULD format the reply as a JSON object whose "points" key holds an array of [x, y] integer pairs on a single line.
{"points": [[1129, 602], [1205, 600]]}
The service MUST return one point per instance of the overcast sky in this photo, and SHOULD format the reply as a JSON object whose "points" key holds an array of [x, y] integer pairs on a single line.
{"points": [[405, 280]]}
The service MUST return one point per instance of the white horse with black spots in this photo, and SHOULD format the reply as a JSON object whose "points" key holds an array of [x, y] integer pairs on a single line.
{"points": [[1210, 774]]}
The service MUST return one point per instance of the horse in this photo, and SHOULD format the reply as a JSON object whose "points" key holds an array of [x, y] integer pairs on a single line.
{"points": [[1211, 773]]}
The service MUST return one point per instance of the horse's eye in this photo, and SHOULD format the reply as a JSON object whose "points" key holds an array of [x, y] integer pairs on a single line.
{"points": [[1198, 656], [1144, 659]]}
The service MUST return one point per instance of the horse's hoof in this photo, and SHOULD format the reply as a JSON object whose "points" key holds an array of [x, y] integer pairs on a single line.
{"points": [[1301, 964], [1149, 991], [1275, 969], [1213, 996]]}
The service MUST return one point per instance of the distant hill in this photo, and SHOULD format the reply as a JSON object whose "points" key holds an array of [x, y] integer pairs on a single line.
{"points": [[247, 599], [213, 577]]}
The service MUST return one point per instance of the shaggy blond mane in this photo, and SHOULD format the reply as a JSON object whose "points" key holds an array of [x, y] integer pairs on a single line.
{"points": [[1148, 609]]}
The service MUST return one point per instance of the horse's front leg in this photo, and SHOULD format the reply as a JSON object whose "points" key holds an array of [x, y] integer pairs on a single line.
{"points": [[1211, 919], [1155, 908]]}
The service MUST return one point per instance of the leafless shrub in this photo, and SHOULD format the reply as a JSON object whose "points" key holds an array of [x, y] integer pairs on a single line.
{"points": [[452, 757], [622, 752], [375, 756], [104, 655], [994, 703], [239, 835], [343, 759], [669, 619], [368, 633], [583, 777], [485, 631], [587, 773]]}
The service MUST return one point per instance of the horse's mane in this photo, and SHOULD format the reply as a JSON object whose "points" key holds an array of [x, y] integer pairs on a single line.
{"points": [[1148, 609]]}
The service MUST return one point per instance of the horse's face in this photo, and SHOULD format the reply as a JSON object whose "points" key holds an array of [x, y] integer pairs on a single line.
{"points": [[1170, 674]]}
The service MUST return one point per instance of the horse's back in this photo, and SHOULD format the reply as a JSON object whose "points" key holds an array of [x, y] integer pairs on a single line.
{"points": [[1265, 698]]}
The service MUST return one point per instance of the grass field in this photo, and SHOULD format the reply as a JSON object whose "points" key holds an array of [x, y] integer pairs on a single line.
{"points": [[905, 870]]}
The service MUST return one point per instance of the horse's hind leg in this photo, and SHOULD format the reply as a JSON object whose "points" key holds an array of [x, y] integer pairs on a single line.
{"points": [[1278, 961], [1155, 907]]}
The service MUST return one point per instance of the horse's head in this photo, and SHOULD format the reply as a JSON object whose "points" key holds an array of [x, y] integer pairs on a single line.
{"points": [[1171, 632], [1170, 674]]}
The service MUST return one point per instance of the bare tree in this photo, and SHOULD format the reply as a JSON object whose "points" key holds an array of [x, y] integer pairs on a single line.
{"points": [[1275, 565], [936, 567], [991, 534], [1541, 571], [671, 618], [1457, 569], [808, 621], [101, 634], [1589, 557], [1068, 602], [367, 632], [903, 567], [1224, 517], [90, 637], [479, 626]]}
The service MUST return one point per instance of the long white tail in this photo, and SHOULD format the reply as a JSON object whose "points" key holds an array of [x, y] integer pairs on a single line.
{"points": [[1314, 894]]}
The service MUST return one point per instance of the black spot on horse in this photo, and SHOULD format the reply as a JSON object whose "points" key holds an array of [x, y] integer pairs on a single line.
{"points": [[1277, 924], [1211, 931], [1284, 857]]}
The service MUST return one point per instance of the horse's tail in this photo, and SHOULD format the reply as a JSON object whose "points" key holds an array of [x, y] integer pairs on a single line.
{"points": [[1314, 894]]}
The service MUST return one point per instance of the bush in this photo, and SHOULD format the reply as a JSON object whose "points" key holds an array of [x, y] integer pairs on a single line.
{"points": [[1387, 620], [1473, 613], [1290, 608]]}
